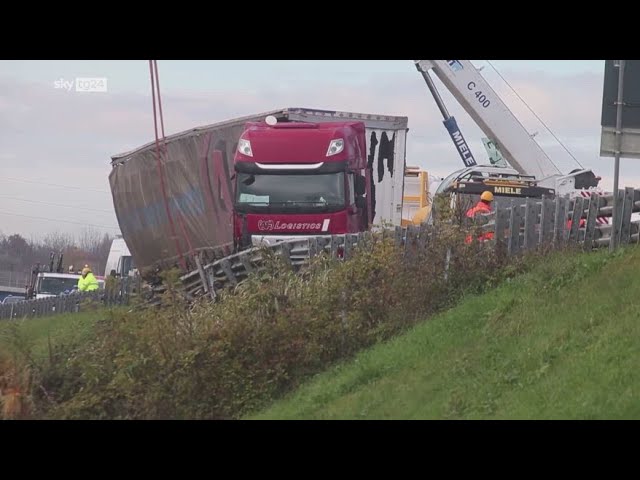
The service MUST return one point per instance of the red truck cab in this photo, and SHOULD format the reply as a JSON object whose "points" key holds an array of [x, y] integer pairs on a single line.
{"points": [[300, 179]]}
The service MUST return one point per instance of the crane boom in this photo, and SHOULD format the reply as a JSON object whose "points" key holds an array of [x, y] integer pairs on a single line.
{"points": [[450, 124], [493, 117]]}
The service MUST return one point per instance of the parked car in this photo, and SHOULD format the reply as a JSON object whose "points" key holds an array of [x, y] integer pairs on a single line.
{"points": [[13, 299]]}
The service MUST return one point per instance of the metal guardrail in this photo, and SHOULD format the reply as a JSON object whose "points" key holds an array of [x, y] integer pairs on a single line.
{"points": [[520, 226], [532, 223], [119, 295], [231, 270]]}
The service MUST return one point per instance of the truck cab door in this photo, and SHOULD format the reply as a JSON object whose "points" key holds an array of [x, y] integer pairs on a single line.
{"points": [[354, 206]]}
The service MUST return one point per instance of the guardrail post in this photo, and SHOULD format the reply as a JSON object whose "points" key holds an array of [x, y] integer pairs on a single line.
{"points": [[335, 242], [530, 222], [501, 220], [576, 216], [447, 262], [616, 220], [226, 268], [515, 221], [592, 217], [422, 236], [399, 231], [285, 252], [625, 228]]}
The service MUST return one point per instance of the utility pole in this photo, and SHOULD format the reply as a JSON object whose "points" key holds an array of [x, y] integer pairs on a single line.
{"points": [[615, 230]]}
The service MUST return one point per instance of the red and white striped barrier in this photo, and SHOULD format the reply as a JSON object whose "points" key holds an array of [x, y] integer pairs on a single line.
{"points": [[587, 194]]}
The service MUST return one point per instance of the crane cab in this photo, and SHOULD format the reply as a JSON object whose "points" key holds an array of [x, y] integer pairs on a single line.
{"points": [[463, 188]]}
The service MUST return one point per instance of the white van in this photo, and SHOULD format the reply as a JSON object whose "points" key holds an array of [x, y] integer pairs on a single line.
{"points": [[120, 259]]}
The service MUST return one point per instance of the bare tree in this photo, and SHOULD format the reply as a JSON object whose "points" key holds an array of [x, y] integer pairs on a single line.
{"points": [[96, 245], [57, 242], [18, 254], [90, 240]]}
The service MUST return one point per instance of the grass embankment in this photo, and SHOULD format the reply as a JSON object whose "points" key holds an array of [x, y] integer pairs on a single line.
{"points": [[38, 333], [559, 342], [29, 347], [222, 360]]}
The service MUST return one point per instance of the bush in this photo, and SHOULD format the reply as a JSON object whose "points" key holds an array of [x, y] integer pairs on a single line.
{"points": [[258, 342]]}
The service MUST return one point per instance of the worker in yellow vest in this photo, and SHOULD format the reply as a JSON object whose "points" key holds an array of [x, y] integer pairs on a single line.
{"points": [[87, 282]]}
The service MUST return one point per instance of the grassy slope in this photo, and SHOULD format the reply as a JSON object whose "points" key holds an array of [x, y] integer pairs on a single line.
{"points": [[62, 329], [560, 342]]}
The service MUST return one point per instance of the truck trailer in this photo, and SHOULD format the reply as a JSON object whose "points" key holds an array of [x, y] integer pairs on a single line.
{"points": [[221, 188]]}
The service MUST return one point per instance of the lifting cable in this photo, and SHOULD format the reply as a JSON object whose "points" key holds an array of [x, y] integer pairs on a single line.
{"points": [[534, 113], [161, 153], [599, 220]]}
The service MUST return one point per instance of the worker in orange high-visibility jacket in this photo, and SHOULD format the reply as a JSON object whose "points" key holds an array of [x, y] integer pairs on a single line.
{"points": [[582, 223], [483, 207]]}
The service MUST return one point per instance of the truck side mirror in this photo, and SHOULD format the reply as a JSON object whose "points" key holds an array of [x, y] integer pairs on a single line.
{"points": [[361, 203], [360, 185]]}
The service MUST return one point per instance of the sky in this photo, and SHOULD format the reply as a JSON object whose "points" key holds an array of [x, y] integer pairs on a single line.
{"points": [[56, 144]]}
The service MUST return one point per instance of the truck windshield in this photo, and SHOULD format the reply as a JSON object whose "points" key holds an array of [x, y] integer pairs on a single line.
{"points": [[55, 286], [290, 192]]}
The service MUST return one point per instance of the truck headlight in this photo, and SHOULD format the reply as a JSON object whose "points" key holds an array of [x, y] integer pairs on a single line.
{"points": [[335, 147], [244, 147]]}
